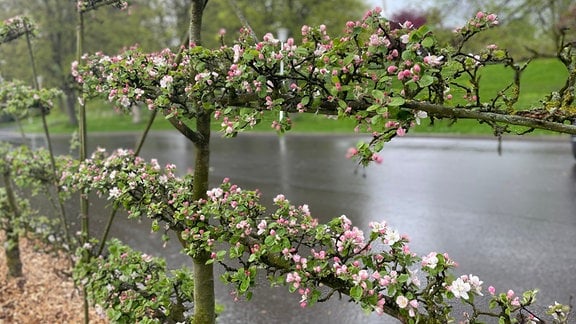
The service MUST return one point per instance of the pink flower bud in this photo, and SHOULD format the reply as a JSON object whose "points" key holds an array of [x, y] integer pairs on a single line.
{"points": [[510, 294], [492, 290]]}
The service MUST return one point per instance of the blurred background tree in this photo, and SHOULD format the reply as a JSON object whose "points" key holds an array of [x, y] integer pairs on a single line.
{"points": [[528, 28], [269, 16], [107, 29]]}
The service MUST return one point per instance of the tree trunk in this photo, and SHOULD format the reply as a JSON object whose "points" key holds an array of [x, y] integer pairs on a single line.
{"points": [[70, 107], [204, 296], [12, 245], [12, 251]]}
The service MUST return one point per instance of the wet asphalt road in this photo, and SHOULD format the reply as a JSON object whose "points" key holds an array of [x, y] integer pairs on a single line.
{"points": [[510, 218]]}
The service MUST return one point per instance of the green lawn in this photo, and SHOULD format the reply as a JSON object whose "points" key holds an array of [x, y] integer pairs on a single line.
{"points": [[540, 78]]}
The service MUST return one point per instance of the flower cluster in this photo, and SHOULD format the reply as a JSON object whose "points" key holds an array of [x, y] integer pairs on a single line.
{"points": [[481, 21], [87, 5], [15, 27], [126, 179], [28, 173], [19, 99], [130, 287]]}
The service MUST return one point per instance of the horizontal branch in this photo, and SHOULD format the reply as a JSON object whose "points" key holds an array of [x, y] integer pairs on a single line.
{"points": [[433, 110], [279, 262], [466, 113]]}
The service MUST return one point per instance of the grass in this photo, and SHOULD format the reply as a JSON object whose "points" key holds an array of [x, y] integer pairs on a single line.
{"points": [[538, 80]]}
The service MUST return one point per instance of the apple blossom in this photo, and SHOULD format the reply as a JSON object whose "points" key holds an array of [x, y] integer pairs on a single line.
{"points": [[460, 288]]}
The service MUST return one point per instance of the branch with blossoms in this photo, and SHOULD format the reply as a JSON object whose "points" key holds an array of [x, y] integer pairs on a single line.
{"points": [[88, 5], [18, 99], [27, 173], [132, 287], [378, 271], [385, 79], [15, 27]]}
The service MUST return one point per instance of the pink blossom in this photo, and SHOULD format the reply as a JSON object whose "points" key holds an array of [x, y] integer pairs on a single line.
{"points": [[391, 236], [510, 294], [268, 37], [404, 74], [433, 60], [363, 275], [237, 52], [166, 81], [430, 261], [404, 39], [492, 18], [262, 226], [402, 301], [294, 278], [351, 152], [492, 290], [377, 158], [400, 131]]}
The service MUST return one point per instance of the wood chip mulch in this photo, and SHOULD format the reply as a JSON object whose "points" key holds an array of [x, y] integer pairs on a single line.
{"points": [[46, 293]]}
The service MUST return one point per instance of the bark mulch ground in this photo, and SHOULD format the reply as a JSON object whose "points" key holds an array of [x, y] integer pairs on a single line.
{"points": [[46, 293]]}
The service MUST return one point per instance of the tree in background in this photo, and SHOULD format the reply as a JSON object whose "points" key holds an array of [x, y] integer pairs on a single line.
{"points": [[266, 16], [531, 27], [416, 17], [108, 30]]}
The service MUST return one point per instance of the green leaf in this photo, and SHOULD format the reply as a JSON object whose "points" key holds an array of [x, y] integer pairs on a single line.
{"points": [[426, 80], [428, 42], [373, 107], [155, 226], [403, 277], [348, 59], [245, 284], [221, 254], [396, 102], [493, 303], [356, 292], [408, 55], [378, 95]]}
